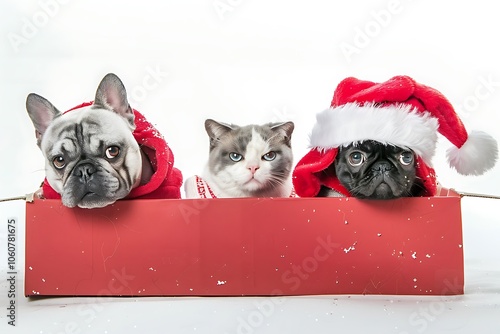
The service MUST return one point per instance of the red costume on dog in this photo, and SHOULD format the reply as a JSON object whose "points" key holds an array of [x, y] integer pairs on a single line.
{"points": [[166, 180], [398, 112]]}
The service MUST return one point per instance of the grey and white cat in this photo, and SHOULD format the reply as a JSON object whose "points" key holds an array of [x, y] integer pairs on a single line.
{"points": [[246, 161]]}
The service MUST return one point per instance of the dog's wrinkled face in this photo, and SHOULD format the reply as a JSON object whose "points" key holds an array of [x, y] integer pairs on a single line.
{"points": [[376, 171], [91, 156]]}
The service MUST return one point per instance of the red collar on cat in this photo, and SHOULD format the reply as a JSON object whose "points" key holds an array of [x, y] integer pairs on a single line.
{"points": [[202, 188], [166, 179]]}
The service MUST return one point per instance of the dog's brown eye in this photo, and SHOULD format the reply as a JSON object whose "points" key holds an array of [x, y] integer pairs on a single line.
{"points": [[59, 162], [406, 158], [112, 152], [356, 158]]}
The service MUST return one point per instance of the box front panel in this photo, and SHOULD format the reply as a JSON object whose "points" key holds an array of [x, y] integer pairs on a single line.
{"points": [[245, 247]]}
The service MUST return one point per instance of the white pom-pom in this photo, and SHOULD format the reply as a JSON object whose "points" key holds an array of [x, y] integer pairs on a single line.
{"points": [[476, 156]]}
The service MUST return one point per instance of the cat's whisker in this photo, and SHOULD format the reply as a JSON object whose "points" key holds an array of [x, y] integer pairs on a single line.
{"points": [[236, 149], [276, 181]]}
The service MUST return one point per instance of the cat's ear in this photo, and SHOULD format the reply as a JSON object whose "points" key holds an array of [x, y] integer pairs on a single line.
{"points": [[286, 128], [215, 130], [111, 94]]}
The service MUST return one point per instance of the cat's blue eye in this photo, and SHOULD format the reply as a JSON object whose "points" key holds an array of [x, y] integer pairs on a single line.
{"points": [[406, 158], [269, 156], [235, 156], [356, 158]]}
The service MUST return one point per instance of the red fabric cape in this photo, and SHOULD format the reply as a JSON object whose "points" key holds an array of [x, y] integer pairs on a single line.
{"points": [[312, 172]]}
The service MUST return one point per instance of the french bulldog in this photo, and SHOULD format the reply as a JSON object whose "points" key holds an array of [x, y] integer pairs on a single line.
{"points": [[91, 156], [373, 170]]}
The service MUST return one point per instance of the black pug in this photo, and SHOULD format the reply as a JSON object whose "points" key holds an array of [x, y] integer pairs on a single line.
{"points": [[372, 170]]}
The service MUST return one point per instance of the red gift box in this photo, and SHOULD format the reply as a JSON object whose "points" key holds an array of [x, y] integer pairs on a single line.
{"points": [[246, 246]]}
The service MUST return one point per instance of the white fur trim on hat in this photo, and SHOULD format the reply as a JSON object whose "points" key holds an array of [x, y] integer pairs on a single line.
{"points": [[400, 125], [477, 155]]}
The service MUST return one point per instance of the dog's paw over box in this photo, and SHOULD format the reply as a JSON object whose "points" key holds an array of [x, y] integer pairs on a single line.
{"points": [[246, 246]]}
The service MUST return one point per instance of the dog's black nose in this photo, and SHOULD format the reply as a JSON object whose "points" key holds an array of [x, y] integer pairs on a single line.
{"points": [[85, 171], [381, 167]]}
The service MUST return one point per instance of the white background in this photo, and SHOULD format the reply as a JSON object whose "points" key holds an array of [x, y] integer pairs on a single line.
{"points": [[245, 62]]}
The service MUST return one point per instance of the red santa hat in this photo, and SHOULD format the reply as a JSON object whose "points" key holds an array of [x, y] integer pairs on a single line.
{"points": [[398, 112], [166, 180]]}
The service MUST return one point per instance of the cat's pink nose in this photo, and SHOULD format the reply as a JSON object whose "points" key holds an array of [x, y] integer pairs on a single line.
{"points": [[253, 169]]}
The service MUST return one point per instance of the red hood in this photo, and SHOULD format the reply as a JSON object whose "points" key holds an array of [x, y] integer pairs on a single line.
{"points": [[166, 180], [312, 172]]}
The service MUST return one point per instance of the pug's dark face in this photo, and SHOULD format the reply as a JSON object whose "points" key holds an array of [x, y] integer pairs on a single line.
{"points": [[376, 171]]}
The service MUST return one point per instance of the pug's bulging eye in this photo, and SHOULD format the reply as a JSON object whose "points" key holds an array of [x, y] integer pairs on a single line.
{"points": [[356, 158], [59, 162], [235, 156], [406, 158], [112, 152], [269, 156]]}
